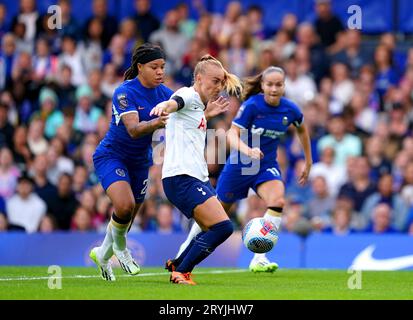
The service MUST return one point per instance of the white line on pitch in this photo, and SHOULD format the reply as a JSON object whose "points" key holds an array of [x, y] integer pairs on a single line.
{"points": [[139, 275]]}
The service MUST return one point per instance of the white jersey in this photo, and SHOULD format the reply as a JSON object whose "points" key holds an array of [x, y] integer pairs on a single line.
{"points": [[185, 134]]}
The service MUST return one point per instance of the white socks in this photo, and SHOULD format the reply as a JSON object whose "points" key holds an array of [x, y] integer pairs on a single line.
{"points": [[276, 221], [195, 230], [105, 251], [119, 232]]}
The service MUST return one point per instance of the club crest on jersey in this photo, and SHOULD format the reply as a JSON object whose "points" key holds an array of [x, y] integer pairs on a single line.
{"points": [[285, 121], [120, 172], [123, 103]]}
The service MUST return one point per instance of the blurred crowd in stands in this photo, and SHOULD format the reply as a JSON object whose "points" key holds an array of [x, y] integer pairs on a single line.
{"points": [[56, 88]]}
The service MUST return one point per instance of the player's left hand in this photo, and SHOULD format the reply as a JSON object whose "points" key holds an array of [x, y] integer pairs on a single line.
{"points": [[158, 110], [303, 179], [216, 107]]}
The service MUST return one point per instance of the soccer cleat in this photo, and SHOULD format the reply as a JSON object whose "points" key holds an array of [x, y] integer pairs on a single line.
{"points": [[170, 265], [181, 278], [104, 268], [262, 264], [126, 262]]}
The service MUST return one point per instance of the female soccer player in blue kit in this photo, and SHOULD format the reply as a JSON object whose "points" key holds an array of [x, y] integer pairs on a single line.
{"points": [[185, 172], [267, 114], [123, 157]]}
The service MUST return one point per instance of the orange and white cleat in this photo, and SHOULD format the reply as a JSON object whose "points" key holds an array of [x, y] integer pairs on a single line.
{"points": [[181, 278]]}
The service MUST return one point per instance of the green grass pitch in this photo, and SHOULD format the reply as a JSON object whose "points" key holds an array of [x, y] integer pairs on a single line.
{"points": [[153, 283]]}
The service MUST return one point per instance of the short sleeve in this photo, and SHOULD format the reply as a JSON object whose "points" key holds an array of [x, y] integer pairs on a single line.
{"points": [[186, 94], [245, 116], [298, 116], [123, 101]]}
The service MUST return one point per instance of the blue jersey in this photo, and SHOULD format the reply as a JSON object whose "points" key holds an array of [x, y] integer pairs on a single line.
{"points": [[132, 96], [265, 123]]}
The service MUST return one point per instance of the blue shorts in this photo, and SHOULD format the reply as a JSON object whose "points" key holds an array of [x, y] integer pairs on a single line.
{"points": [[186, 192], [110, 169], [233, 186]]}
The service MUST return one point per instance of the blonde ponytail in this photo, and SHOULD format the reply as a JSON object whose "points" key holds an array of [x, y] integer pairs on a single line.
{"points": [[232, 84]]}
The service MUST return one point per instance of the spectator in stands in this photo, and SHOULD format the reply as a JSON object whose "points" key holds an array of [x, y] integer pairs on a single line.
{"points": [[353, 54], [69, 24], [6, 129], [343, 87], [344, 144], [91, 47], [187, 25], [8, 173], [47, 224], [99, 98], [340, 224], [72, 56], [379, 164], [3, 23], [64, 87], [21, 152], [110, 81], [44, 63], [25, 208], [385, 194], [359, 187], [82, 220], [386, 75], [49, 112], [406, 190], [381, 218], [8, 55], [171, 40], [80, 180], [87, 114], [30, 18], [57, 164], [327, 24], [365, 118], [42, 186], [223, 26], [300, 88], [116, 54], [164, 220], [35, 139], [109, 23], [147, 23], [63, 206], [239, 57], [319, 61], [322, 203]]}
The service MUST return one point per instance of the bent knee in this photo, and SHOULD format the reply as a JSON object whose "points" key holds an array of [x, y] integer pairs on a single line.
{"points": [[276, 202], [125, 209]]}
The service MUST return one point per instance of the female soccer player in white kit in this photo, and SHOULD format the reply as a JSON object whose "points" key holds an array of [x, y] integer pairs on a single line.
{"points": [[185, 172]]}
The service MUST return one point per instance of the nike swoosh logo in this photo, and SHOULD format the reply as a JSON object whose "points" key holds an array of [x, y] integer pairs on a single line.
{"points": [[366, 261]]}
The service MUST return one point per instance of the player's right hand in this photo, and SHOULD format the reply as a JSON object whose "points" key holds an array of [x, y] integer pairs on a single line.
{"points": [[255, 153], [162, 120]]}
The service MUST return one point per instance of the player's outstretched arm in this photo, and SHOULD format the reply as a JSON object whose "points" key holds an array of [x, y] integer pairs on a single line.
{"points": [[305, 142], [137, 129], [236, 143], [164, 107]]}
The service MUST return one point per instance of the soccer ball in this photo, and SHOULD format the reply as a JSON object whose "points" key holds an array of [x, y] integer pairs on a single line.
{"points": [[259, 235]]}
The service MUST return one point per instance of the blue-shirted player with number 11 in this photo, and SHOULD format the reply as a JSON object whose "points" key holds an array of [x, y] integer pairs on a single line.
{"points": [[264, 114]]}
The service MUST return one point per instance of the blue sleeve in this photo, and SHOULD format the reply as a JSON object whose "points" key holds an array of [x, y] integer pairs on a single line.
{"points": [[298, 117], [245, 115], [123, 101]]}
